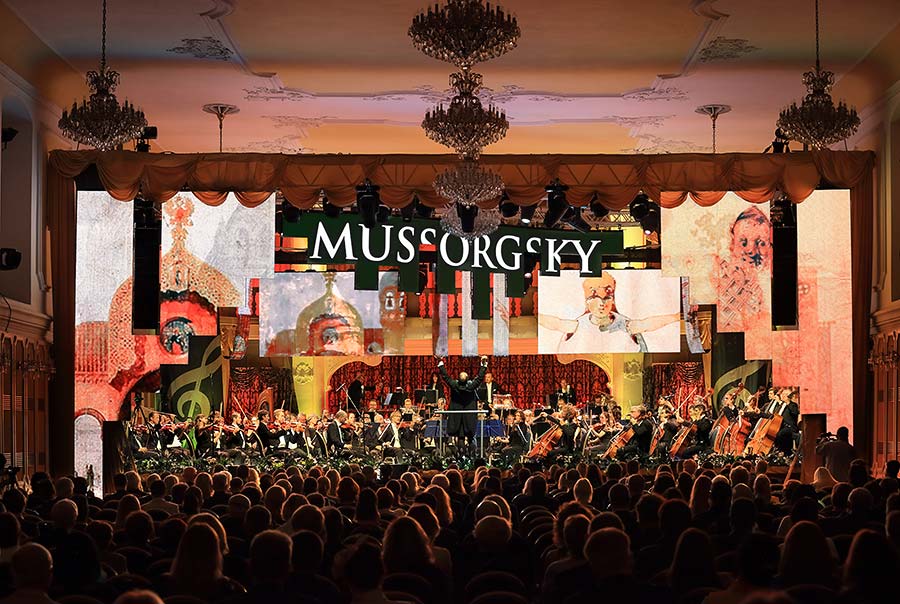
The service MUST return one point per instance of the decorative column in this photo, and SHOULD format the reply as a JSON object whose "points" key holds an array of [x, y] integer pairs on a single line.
{"points": [[500, 316], [469, 325]]}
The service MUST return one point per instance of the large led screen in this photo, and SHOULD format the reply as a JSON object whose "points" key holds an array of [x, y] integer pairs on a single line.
{"points": [[726, 251], [620, 311], [321, 313]]}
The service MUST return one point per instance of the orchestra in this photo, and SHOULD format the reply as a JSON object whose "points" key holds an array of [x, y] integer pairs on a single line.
{"points": [[766, 421]]}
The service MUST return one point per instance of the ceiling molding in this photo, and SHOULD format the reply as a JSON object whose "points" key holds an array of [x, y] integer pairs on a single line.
{"points": [[721, 48]]}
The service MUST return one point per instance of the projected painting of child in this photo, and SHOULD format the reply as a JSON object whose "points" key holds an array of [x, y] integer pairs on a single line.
{"points": [[741, 297]]}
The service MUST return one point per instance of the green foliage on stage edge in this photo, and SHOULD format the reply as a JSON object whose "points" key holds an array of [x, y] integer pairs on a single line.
{"points": [[174, 464], [345, 240]]}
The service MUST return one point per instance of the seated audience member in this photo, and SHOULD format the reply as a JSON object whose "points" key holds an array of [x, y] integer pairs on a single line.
{"points": [[197, 567], [32, 574], [757, 559], [358, 568], [158, 500]]}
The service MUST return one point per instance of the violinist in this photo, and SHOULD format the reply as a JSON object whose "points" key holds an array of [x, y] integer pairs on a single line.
{"points": [[409, 433], [236, 439], [435, 385], [203, 436], [566, 445], [372, 432], [268, 433], [316, 444], [154, 443], [170, 434], [338, 434], [643, 428], [701, 436], [372, 411], [390, 436], [519, 436]]}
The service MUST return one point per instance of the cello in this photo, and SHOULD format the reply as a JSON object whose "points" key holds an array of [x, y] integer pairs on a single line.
{"points": [[546, 443], [680, 442], [618, 441], [762, 439]]}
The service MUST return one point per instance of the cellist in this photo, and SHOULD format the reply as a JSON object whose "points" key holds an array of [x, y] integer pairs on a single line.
{"points": [[701, 436], [566, 444], [669, 424], [643, 427]]}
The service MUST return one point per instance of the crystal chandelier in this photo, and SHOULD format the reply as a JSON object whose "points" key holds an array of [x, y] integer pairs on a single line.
{"points": [[100, 121], [464, 32], [465, 126], [470, 222], [468, 184], [817, 122]]}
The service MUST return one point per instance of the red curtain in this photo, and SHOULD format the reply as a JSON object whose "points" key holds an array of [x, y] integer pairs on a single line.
{"points": [[247, 383], [680, 381], [529, 378]]}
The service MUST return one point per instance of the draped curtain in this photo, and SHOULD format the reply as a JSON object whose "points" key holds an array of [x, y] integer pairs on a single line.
{"points": [[246, 384], [615, 179], [529, 378], [680, 381]]}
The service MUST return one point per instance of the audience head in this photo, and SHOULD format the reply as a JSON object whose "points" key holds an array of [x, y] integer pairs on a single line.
{"points": [[270, 557], [32, 567], [608, 552]]}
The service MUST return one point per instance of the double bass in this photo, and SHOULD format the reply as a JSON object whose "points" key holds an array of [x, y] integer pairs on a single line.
{"points": [[762, 439]]}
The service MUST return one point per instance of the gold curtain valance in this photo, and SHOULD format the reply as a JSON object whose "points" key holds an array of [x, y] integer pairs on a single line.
{"points": [[615, 179]]}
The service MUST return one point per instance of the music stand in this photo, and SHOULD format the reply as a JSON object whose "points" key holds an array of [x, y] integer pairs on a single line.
{"points": [[426, 396], [436, 429]]}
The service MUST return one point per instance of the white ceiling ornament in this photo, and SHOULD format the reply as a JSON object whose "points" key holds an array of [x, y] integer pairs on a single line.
{"points": [[666, 93], [203, 48], [726, 49]]}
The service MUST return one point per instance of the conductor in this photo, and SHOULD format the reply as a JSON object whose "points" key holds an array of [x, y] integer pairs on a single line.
{"points": [[463, 397]]}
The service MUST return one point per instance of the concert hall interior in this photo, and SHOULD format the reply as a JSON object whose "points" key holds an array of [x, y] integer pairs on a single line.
{"points": [[355, 252]]}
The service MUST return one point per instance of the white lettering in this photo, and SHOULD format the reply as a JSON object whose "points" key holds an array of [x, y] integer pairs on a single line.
{"points": [[332, 248], [367, 243], [442, 251], [406, 243], [529, 248], [482, 253], [553, 252], [516, 256], [424, 239], [585, 255]]}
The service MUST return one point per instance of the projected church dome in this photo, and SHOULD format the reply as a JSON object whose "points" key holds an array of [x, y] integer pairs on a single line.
{"points": [[330, 325]]}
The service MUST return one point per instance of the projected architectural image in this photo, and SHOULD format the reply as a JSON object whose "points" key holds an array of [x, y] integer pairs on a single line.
{"points": [[621, 311]]}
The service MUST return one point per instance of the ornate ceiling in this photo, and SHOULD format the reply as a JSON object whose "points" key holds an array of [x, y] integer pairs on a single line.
{"points": [[588, 76]]}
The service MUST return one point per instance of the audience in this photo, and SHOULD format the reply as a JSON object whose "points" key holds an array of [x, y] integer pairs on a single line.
{"points": [[685, 532]]}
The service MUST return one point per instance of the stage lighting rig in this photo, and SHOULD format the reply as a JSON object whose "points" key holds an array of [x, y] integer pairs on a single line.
{"points": [[384, 214], [574, 219], [598, 209], [781, 144], [149, 133], [290, 212], [557, 205], [331, 210], [367, 202], [424, 211], [467, 216], [7, 135], [650, 221], [10, 258], [408, 211], [639, 206], [507, 208]]}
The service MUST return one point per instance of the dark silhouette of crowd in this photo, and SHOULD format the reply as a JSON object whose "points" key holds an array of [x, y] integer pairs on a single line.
{"points": [[679, 534]]}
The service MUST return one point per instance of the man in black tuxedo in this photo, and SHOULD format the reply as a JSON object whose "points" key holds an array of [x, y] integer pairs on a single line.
{"points": [[356, 390], [335, 437], [789, 434], [463, 397], [489, 389]]}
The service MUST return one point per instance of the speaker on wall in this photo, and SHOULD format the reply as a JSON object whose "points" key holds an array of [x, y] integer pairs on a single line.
{"points": [[784, 263], [145, 284]]}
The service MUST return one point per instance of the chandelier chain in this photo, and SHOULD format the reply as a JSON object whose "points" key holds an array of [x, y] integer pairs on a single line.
{"points": [[818, 65], [103, 40]]}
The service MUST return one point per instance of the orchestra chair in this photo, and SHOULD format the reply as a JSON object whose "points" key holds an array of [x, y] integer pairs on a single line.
{"points": [[493, 581], [128, 582], [400, 596]]}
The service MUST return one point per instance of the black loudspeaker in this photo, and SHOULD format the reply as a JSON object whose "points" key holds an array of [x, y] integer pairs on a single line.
{"points": [[784, 263], [145, 290]]}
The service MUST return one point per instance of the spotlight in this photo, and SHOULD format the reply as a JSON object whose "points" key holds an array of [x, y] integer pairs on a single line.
{"points": [[527, 213], [367, 200], [10, 259], [529, 265], [639, 206], [650, 221], [467, 216], [409, 210], [7, 135], [507, 208], [331, 210], [290, 212], [557, 206], [574, 219], [598, 209], [423, 280], [384, 214]]}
